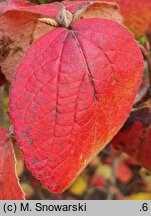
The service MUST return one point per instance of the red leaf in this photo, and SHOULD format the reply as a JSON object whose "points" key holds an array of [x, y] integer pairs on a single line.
{"points": [[72, 92], [135, 137], [9, 186]]}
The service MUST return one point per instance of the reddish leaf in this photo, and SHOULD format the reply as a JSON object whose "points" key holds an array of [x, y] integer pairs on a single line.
{"points": [[135, 137], [19, 27], [137, 15], [71, 94], [9, 186]]}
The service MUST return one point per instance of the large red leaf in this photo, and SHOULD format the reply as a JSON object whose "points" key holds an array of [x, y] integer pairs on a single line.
{"points": [[135, 137], [19, 26], [137, 15], [9, 186], [71, 94]]}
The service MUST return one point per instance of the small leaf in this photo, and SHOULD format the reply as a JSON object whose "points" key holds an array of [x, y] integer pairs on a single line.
{"points": [[9, 185]]}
